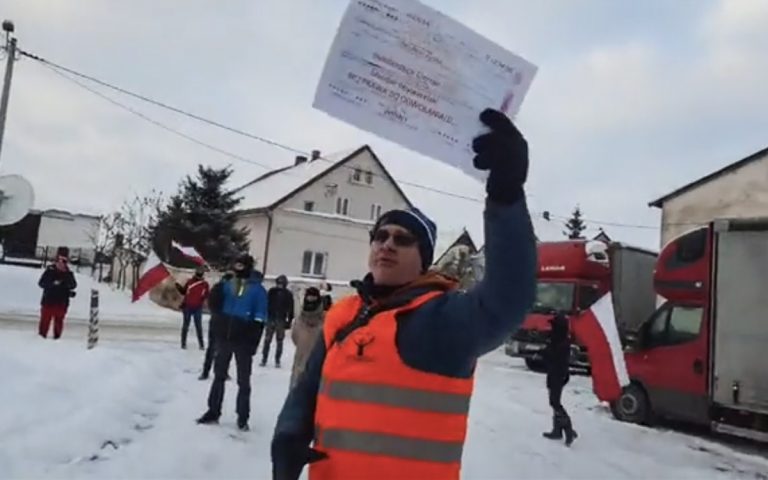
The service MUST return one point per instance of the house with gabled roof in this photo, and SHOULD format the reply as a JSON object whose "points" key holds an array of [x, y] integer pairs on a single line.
{"points": [[737, 190], [311, 221], [450, 242]]}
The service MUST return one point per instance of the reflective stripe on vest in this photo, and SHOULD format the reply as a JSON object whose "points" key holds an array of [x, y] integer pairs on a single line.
{"points": [[392, 445], [399, 397]]}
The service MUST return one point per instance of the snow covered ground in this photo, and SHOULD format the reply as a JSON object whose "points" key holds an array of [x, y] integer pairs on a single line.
{"points": [[21, 298], [126, 410]]}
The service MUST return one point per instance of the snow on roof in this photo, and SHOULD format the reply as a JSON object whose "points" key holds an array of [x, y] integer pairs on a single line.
{"points": [[273, 186]]}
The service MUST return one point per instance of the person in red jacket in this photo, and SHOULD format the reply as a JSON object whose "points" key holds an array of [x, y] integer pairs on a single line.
{"points": [[195, 292]]}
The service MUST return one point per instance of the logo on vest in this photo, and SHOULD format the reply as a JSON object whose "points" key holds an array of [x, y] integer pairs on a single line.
{"points": [[361, 341]]}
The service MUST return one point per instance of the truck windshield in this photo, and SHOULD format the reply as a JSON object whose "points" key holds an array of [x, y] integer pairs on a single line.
{"points": [[553, 296]]}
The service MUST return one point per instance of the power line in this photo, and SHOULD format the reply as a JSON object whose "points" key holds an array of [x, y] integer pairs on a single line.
{"points": [[214, 123], [159, 124], [55, 67]]}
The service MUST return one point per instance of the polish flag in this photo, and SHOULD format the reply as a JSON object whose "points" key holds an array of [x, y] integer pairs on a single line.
{"points": [[154, 273], [596, 330], [190, 253]]}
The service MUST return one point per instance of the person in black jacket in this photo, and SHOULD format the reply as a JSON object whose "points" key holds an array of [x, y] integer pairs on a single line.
{"points": [[58, 284], [327, 296], [215, 306], [279, 317], [558, 356]]}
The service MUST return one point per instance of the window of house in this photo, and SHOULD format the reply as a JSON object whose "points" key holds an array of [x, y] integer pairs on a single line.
{"points": [[309, 206], [342, 206], [357, 176], [314, 263], [369, 177], [375, 211]]}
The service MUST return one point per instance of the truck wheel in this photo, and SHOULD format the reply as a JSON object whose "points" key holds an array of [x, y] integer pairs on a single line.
{"points": [[633, 405], [537, 366]]}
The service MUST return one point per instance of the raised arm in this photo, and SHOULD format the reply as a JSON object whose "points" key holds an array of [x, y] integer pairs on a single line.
{"points": [[453, 330]]}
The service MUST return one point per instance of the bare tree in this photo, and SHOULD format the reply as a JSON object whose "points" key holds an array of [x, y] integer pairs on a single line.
{"points": [[132, 241], [103, 242]]}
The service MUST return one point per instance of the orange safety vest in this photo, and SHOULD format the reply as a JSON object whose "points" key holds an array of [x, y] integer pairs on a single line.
{"points": [[377, 417]]}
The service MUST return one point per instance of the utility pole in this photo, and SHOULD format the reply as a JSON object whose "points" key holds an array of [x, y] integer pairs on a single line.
{"points": [[10, 50]]}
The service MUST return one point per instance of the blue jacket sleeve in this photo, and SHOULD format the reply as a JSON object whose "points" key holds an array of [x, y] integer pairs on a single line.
{"points": [[259, 310], [448, 334]]}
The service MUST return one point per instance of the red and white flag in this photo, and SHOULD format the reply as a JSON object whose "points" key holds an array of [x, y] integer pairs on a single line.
{"points": [[154, 273], [190, 253], [596, 330]]}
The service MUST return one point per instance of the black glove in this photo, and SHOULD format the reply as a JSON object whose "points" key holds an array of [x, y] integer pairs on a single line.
{"points": [[290, 455], [72, 294], [288, 324], [504, 152]]}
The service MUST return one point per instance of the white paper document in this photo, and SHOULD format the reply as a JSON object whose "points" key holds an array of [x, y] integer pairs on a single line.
{"points": [[412, 75]]}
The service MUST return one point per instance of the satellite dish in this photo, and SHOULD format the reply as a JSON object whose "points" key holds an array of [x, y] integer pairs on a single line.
{"points": [[16, 198]]}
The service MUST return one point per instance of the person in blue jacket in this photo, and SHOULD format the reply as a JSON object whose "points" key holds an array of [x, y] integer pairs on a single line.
{"points": [[243, 302], [446, 335]]}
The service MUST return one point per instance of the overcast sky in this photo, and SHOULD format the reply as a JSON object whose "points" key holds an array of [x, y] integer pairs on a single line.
{"points": [[667, 90]]}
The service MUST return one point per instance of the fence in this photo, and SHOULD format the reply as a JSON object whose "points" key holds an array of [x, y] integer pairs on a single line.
{"points": [[26, 254]]}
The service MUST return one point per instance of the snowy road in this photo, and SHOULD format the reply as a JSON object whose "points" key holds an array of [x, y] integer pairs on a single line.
{"points": [[126, 410]]}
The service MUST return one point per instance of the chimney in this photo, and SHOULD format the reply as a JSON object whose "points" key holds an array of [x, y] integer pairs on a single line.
{"points": [[315, 155], [301, 159]]}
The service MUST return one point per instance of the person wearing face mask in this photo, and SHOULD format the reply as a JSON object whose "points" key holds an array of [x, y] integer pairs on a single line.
{"points": [[558, 356], [58, 284], [386, 390], [195, 291], [243, 313], [306, 330]]}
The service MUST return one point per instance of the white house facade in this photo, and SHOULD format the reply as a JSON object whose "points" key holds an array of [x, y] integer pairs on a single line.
{"points": [[311, 221]]}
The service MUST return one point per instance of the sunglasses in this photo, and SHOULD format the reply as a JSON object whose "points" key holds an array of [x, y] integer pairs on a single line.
{"points": [[399, 239]]}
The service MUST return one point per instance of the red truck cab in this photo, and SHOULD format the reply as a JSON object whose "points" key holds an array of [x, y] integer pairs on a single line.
{"points": [[700, 357], [572, 276]]}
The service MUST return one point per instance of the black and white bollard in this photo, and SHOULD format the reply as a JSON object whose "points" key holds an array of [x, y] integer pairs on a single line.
{"points": [[93, 323]]}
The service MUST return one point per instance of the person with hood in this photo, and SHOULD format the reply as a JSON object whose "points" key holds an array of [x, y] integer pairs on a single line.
{"points": [[279, 317], [557, 355], [387, 388], [215, 305], [58, 284], [195, 291], [306, 330], [243, 312]]}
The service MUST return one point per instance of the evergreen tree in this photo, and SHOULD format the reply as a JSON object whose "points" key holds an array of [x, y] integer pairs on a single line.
{"points": [[202, 215], [575, 225]]}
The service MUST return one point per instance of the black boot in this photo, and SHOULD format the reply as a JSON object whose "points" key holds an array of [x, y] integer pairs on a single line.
{"points": [[557, 429], [277, 362], [570, 433], [242, 425], [263, 362], [208, 418]]}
